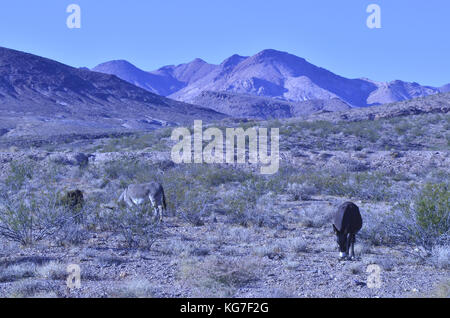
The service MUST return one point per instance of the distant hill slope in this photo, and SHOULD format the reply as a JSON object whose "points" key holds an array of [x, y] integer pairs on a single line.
{"points": [[270, 73], [41, 92], [156, 83], [445, 88], [250, 106], [435, 104]]}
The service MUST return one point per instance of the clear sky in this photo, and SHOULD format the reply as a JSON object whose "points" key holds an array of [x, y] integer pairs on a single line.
{"points": [[413, 43]]}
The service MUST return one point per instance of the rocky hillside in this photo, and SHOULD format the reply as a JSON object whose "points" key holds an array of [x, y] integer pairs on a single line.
{"points": [[250, 106], [435, 104], [445, 88]]}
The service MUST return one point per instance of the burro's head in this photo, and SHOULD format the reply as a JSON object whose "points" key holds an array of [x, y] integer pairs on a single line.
{"points": [[341, 239]]}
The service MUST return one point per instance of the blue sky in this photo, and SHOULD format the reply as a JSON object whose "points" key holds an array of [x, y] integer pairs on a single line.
{"points": [[413, 43]]}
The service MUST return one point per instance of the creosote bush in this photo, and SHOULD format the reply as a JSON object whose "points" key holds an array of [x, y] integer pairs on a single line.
{"points": [[20, 172], [29, 218], [425, 219]]}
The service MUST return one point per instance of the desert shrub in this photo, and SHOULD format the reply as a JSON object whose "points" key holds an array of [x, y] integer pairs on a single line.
{"points": [[192, 189], [17, 272], [432, 209], [106, 260], [272, 251], [356, 166], [365, 130], [27, 289], [214, 176], [136, 288], [294, 245], [175, 188], [441, 256], [52, 270], [136, 225], [387, 263], [195, 205], [154, 140], [20, 172], [187, 194], [72, 233], [217, 277], [31, 217], [314, 217], [297, 182], [425, 218], [375, 229], [131, 171], [265, 214], [248, 205], [301, 191]]}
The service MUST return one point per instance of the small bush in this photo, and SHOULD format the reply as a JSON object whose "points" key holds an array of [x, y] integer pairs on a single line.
{"points": [[19, 174], [218, 277], [301, 192], [27, 289], [17, 272], [297, 245], [136, 288], [314, 217], [247, 209], [137, 226], [52, 270], [441, 256], [131, 171], [376, 230], [432, 209], [195, 205], [29, 218], [426, 221]]}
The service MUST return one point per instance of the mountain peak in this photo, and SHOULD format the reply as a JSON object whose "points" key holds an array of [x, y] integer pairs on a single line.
{"points": [[271, 54], [233, 61], [198, 61], [114, 64]]}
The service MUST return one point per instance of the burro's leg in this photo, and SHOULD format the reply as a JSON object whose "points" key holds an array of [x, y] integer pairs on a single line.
{"points": [[348, 243], [155, 208], [128, 200], [353, 239], [160, 211]]}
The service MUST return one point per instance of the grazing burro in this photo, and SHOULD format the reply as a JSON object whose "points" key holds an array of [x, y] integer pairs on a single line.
{"points": [[347, 221], [139, 194]]}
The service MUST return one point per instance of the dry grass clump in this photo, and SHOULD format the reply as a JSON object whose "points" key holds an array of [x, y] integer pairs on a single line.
{"points": [[217, 277]]}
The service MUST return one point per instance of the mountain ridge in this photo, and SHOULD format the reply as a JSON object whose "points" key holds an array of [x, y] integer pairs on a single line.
{"points": [[280, 75], [37, 92]]}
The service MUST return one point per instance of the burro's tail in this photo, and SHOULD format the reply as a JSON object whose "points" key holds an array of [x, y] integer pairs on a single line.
{"points": [[164, 200]]}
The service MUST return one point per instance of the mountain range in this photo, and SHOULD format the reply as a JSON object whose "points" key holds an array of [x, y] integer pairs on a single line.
{"points": [[37, 92], [269, 73], [41, 96]]}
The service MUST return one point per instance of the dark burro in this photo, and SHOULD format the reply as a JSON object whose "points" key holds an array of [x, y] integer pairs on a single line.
{"points": [[347, 221]]}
